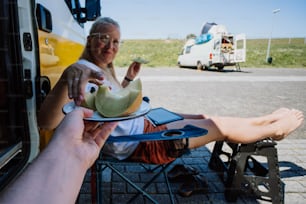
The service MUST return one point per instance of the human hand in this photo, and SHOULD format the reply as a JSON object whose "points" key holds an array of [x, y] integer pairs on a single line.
{"points": [[133, 70], [82, 140], [77, 76]]}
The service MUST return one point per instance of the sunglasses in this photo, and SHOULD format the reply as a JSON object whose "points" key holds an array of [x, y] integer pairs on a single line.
{"points": [[106, 39]]}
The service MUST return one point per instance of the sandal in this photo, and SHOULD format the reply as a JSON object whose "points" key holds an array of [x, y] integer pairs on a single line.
{"points": [[194, 184], [180, 171]]}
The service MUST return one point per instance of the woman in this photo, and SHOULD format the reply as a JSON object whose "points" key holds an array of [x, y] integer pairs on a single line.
{"points": [[95, 65]]}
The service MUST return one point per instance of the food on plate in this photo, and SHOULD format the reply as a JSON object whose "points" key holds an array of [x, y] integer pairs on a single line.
{"points": [[89, 101], [116, 103], [140, 60]]}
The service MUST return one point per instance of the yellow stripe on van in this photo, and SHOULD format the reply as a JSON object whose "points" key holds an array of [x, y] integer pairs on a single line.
{"points": [[56, 54]]}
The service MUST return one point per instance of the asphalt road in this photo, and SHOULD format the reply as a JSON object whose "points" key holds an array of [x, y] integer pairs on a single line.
{"points": [[250, 92]]}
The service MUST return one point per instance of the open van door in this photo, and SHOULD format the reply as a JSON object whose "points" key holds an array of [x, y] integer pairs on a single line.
{"points": [[240, 48], [17, 88]]}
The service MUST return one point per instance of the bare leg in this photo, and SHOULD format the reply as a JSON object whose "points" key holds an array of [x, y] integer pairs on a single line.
{"points": [[262, 120], [270, 118], [277, 125]]}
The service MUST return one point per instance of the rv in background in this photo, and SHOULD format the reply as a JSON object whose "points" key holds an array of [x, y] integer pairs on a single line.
{"points": [[214, 47]]}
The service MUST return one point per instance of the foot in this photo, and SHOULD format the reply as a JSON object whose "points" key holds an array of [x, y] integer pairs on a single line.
{"points": [[290, 121], [272, 117], [281, 111]]}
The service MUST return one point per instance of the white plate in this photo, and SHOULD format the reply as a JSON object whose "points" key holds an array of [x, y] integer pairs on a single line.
{"points": [[144, 109]]}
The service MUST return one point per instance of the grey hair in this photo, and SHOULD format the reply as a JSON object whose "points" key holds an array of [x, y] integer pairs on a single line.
{"points": [[103, 21]]}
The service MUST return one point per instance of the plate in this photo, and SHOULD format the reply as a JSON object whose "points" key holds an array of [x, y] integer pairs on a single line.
{"points": [[97, 117]]}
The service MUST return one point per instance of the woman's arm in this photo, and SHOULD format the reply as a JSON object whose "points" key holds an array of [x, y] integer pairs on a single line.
{"points": [[131, 73], [50, 114]]}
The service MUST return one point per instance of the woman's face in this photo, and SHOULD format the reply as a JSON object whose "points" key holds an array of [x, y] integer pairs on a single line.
{"points": [[104, 44]]}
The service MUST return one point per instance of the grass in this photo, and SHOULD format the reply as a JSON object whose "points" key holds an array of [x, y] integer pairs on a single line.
{"points": [[158, 52], [285, 53], [289, 53]]}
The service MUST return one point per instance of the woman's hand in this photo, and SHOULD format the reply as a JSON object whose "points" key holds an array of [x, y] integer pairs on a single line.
{"points": [[77, 76], [131, 73], [133, 70]]}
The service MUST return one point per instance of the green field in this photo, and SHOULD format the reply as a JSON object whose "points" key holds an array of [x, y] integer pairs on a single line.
{"points": [[289, 53]]}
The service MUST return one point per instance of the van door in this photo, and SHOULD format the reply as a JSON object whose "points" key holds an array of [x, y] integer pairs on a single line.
{"points": [[17, 87], [240, 48], [215, 56]]}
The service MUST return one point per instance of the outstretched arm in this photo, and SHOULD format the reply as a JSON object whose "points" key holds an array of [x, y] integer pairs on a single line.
{"points": [[57, 174]]}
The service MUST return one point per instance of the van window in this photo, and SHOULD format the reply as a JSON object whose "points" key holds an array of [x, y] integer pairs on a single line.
{"points": [[188, 49]]}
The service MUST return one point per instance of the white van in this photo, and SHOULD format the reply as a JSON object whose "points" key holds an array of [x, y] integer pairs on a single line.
{"points": [[214, 47]]}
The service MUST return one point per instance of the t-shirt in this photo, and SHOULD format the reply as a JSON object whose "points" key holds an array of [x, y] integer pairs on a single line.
{"points": [[119, 150]]}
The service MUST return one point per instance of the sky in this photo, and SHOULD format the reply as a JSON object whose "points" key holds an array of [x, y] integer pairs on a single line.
{"points": [[175, 19]]}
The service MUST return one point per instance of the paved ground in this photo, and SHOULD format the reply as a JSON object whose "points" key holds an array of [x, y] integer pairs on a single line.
{"points": [[248, 93]]}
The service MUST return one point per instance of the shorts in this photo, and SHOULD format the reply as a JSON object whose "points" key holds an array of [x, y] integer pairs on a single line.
{"points": [[158, 152]]}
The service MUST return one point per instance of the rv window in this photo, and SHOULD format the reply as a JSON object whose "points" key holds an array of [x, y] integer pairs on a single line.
{"points": [[217, 44], [188, 48], [240, 44]]}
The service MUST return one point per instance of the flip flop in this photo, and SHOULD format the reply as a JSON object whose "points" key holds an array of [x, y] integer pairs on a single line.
{"points": [[194, 184], [180, 171]]}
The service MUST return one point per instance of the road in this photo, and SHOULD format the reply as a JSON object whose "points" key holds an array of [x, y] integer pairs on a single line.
{"points": [[250, 92]]}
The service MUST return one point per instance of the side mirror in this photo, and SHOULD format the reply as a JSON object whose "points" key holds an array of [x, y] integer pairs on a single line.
{"points": [[93, 9]]}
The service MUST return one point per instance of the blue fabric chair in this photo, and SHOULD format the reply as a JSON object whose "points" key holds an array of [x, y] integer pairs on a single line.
{"points": [[116, 166]]}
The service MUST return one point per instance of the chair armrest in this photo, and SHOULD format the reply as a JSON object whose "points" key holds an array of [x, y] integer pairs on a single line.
{"points": [[173, 134]]}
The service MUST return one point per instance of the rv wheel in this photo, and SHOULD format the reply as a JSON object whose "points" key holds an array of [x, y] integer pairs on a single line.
{"points": [[199, 66], [220, 67], [179, 65]]}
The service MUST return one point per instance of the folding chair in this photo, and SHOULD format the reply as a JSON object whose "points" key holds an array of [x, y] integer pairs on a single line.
{"points": [[103, 163]]}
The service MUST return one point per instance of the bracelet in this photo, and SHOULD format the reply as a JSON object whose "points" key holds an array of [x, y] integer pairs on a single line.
{"points": [[128, 79]]}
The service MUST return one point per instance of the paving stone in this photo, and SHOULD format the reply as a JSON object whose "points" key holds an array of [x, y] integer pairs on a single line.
{"points": [[294, 187], [122, 198], [295, 198], [118, 187], [84, 198]]}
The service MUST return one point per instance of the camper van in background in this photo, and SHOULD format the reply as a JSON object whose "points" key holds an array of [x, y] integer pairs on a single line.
{"points": [[39, 38], [215, 46]]}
